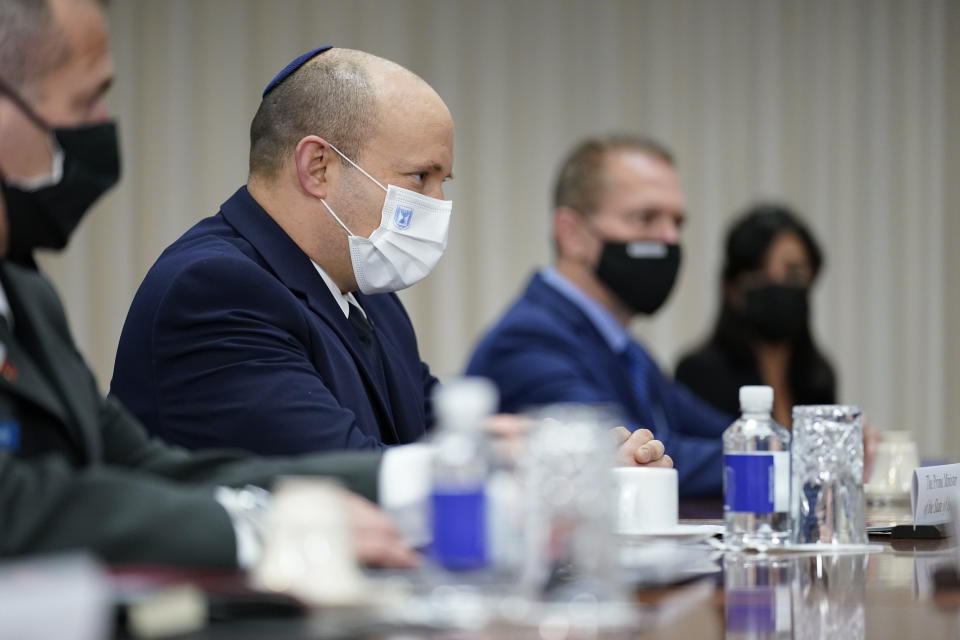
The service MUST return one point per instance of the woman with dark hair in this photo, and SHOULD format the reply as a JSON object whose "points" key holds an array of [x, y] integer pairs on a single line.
{"points": [[763, 333]]}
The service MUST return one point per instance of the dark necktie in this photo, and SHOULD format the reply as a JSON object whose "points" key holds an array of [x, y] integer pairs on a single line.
{"points": [[638, 368], [371, 348]]}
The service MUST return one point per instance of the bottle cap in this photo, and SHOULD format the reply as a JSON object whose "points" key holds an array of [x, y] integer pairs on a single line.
{"points": [[756, 398], [463, 403]]}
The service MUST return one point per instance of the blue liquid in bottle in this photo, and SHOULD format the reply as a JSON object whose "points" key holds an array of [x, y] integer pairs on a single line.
{"points": [[460, 470], [459, 528]]}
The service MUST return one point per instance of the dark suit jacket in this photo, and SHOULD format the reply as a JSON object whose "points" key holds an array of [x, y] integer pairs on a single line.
{"points": [[233, 339], [85, 474], [546, 350]]}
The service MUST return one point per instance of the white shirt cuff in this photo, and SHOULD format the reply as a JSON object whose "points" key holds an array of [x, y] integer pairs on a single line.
{"points": [[246, 508]]}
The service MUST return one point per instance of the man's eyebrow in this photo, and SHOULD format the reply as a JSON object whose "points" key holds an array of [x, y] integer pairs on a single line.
{"points": [[436, 167]]}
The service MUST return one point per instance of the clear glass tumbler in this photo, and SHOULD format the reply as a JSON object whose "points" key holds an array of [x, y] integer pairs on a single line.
{"points": [[569, 552], [827, 502]]}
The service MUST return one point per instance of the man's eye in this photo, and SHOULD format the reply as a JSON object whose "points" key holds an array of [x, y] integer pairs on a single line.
{"points": [[420, 177]]}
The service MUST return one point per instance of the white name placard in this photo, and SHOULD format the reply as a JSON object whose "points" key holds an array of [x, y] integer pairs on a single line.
{"points": [[933, 491]]}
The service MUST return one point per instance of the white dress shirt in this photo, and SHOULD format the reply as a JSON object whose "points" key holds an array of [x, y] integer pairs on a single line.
{"points": [[343, 299]]}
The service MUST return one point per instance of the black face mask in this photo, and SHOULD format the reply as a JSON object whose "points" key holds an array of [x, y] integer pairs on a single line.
{"points": [[777, 313], [641, 274], [46, 216]]}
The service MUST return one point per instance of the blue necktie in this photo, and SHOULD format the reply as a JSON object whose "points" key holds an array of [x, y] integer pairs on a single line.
{"points": [[638, 369]]}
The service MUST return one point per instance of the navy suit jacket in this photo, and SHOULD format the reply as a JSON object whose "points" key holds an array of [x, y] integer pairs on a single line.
{"points": [[234, 339], [546, 350]]}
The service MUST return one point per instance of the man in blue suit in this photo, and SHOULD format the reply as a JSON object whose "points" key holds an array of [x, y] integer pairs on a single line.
{"points": [[272, 326], [618, 212]]}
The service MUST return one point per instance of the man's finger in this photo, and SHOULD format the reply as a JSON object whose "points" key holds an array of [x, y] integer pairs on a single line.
{"points": [[376, 540], [642, 435], [629, 448], [665, 461], [638, 438], [622, 434], [649, 452]]}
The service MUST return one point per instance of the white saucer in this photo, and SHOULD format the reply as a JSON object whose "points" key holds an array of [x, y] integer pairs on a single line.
{"points": [[678, 533], [661, 562]]}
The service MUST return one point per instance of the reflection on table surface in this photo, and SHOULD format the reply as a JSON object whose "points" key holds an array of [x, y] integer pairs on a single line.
{"points": [[889, 594], [881, 595]]}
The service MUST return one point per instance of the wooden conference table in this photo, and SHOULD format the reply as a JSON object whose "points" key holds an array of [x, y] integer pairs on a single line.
{"points": [[888, 594]]}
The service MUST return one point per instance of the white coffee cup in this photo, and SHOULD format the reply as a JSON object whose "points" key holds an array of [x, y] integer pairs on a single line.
{"points": [[646, 499]]}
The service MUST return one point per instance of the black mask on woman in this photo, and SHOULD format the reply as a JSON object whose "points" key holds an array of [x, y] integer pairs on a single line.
{"points": [[641, 274], [776, 312], [45, 216]]}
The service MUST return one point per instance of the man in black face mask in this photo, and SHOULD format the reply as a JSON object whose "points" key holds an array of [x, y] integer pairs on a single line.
{"points": [[76, 470], [618, 211]]}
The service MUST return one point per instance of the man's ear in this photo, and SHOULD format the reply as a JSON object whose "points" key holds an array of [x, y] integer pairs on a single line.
{"points": [[314, 161], [571, 235]]}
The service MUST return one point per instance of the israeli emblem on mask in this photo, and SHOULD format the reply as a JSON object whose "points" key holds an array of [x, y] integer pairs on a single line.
{"points": [[401, 217]]}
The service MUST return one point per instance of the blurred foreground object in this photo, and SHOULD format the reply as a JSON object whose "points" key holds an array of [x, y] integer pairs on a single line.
{"points": [[55, 597], [308, 550]]}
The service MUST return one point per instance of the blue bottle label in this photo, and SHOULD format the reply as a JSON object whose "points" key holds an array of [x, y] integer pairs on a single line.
{"points": [[756, 482], [459, 529]]}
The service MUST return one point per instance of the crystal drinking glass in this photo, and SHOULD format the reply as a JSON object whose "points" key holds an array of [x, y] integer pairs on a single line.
{"points": [[827, 503]]}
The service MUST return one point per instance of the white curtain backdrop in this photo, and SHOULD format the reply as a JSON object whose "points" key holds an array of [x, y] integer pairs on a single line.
{"points": [[841, 108]]}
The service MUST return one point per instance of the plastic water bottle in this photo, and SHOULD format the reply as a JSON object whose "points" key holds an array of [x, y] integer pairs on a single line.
{"points": [[756, 474], [460, 467]]}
